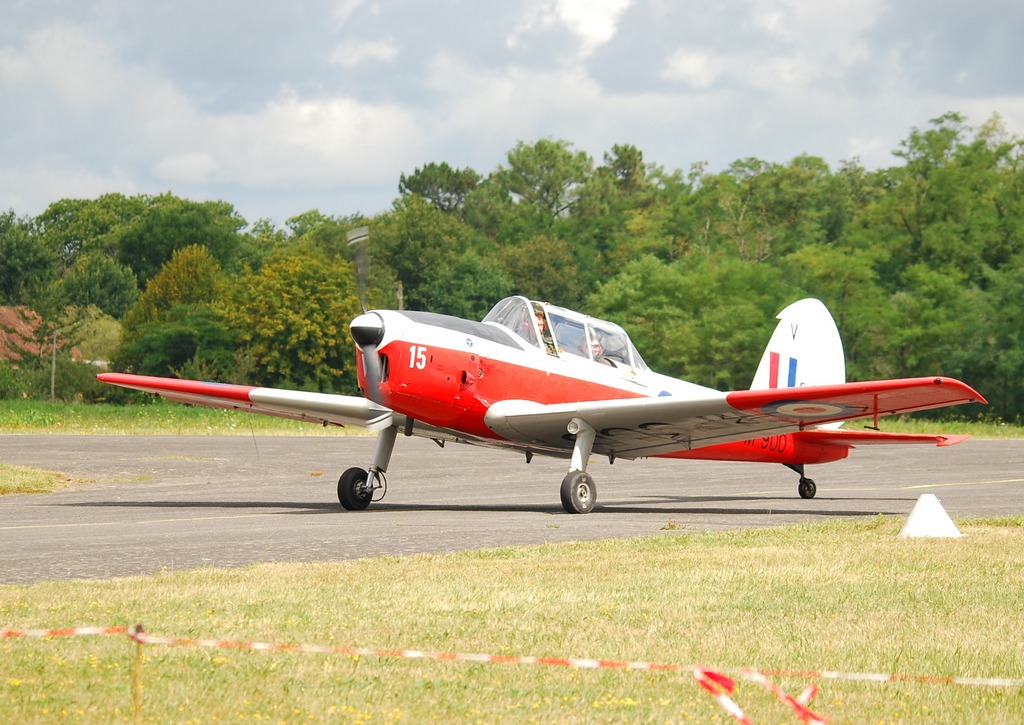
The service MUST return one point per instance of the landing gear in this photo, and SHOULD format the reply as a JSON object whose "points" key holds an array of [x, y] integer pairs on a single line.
{"points": [[353, 493], [356, 487], [579, 493], [806, 488]]}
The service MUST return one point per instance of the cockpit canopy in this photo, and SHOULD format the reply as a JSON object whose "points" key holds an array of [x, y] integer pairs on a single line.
{"points": [[565, 333]]}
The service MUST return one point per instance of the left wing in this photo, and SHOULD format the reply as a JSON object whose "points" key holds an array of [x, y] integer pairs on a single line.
{"points": [[638, 427], [324, 408]]}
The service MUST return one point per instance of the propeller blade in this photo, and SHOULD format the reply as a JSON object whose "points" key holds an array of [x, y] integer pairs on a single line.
{"points": [[356, 241]]}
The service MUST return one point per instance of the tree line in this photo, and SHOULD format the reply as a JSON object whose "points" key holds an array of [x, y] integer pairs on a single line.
{"points": [[921, 263]]}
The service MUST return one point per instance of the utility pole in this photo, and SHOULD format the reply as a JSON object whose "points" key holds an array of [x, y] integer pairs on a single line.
{"points": [[53, 368]]}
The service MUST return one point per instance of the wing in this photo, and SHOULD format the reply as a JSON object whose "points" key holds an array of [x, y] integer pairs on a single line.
{"points": [[650, 426], [323, 408]]}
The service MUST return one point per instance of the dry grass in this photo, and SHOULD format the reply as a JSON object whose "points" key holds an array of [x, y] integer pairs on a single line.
{"points": [[22, 479], [849, 597]]}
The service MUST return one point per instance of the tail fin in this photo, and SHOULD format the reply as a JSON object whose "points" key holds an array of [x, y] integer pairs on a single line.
{"points": [[805, 349]]}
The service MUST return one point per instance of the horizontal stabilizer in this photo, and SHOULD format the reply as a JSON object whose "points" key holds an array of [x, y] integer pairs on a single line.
{"points": [[842, 437]]}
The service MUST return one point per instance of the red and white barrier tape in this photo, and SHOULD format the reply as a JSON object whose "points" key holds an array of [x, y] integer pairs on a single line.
{"points": [[575, 662], [881, 677], [720, 687], [580, 663], [68, 632], [798, 703]]}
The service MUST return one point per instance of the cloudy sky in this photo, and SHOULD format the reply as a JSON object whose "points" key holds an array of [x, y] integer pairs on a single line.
{"points": [[282, 107]]}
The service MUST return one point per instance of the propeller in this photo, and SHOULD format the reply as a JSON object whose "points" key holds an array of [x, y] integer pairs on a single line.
{"points": [[356, 242], [367, 329]]}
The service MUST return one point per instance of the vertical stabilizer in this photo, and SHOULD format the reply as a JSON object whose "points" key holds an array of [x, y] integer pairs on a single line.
{"points": [[805, 349]]}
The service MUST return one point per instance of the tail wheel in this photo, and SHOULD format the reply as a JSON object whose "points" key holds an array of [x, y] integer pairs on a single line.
{"points": [[579, 494], [353, 493]]}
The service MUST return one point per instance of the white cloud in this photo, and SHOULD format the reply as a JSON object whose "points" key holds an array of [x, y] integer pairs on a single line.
{"points": [[190, 168], [350, 55], [694, 67], [328, 102], [593, 22], [303, 142]]}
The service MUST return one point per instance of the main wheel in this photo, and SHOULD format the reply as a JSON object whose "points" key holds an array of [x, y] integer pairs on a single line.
{"points": [[806, 488], [352, 491], [579, 494]]}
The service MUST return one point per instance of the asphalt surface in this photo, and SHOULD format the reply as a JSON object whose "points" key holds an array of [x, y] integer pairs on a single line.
{"points": [[143, 504]]}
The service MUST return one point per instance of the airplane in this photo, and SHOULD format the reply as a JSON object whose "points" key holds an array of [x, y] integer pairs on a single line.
{"points": [[546, 380]]}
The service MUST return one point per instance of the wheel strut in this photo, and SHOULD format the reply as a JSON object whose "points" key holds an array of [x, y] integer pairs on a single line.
{"points": [[579, 493], [357, 487]]}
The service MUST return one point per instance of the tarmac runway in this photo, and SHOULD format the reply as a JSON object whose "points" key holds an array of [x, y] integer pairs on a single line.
{"points": [[144, 504]]}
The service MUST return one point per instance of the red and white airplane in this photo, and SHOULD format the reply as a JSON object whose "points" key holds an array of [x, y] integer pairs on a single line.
{"points": [[545, 380]]}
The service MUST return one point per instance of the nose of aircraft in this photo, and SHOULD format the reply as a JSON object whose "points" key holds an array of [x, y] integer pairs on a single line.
{"points": [[367, 329]]}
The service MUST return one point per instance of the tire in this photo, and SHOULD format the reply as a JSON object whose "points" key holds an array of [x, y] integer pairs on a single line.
{"points": [[352, 493], [579, 494], [807, 488]]}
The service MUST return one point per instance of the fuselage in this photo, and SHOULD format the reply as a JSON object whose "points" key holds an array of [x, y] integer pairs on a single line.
{"points": [[446, 372]]}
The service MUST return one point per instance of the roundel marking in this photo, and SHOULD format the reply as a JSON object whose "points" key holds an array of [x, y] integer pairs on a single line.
{"points": [[808, 409]]}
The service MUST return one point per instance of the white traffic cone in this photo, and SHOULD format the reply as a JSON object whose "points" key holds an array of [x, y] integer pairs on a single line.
{"points": [[928, 518]]}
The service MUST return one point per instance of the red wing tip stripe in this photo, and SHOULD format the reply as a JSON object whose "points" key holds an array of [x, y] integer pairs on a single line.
{"points": [[174, 385]]}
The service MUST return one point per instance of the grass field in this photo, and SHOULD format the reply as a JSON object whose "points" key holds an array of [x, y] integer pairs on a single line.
{"points": [[156, 418], [849, 597], [844, 596], [163, 418]]}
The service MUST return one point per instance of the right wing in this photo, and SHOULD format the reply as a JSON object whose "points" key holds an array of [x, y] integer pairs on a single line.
{"points": [[637, 427], [323, 408]]}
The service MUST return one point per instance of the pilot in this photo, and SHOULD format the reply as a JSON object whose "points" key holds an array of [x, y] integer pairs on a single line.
{"points": [[596, 348], [614, 350], [542, 325]]}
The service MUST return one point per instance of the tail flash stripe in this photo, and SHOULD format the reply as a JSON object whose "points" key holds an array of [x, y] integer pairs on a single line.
{"points": [[792, 373], [773, 370]]}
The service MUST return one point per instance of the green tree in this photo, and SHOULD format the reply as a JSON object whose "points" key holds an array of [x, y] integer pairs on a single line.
{"points": [[260, 242], [179, 320], [74, 227], [441, 185], [999, 364], [170, 223], [421, 244], [469, 286], [543, 268], [191, 276], [28, 267], [545, 176], [98, 280], [188, 340], [705, 319], [292, 316], [539, 186]]}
